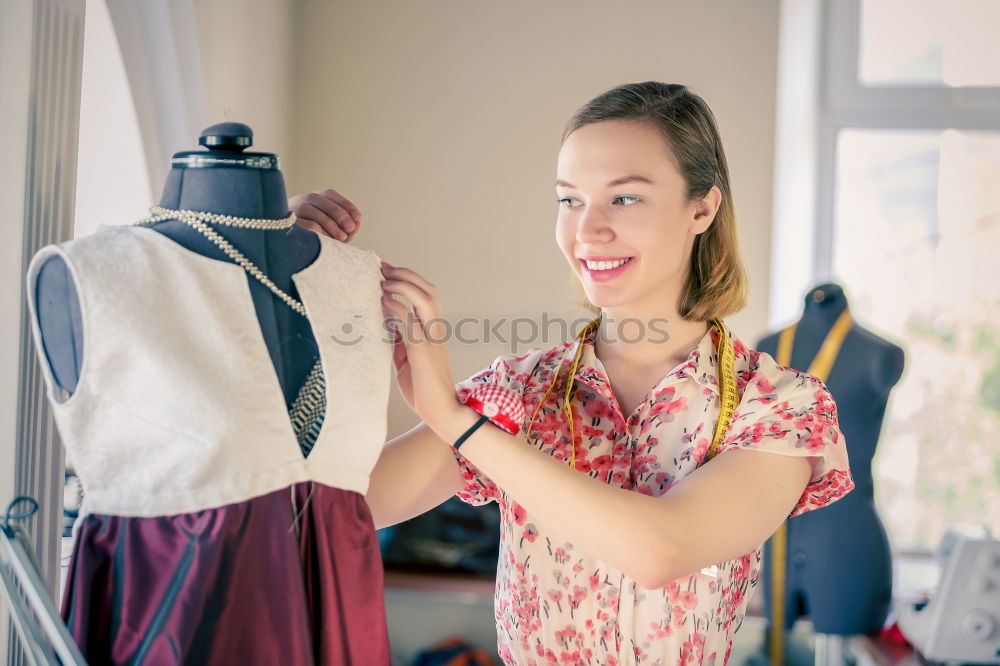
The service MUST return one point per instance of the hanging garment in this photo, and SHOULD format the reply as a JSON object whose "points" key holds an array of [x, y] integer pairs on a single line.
{"points": [[206, 536]]}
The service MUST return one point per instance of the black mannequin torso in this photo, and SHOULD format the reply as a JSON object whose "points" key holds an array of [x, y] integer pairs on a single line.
{"points": [[865, 371], [839, 564], [236, 191]]}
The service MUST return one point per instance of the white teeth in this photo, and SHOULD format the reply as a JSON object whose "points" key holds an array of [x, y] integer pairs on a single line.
{"points": [[605, 265]]}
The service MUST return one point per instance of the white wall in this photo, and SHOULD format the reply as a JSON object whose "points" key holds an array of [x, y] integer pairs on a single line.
{"points": [[441, 119], [246, 54]]}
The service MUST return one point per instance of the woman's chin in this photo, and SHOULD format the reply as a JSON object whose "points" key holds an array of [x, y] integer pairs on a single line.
{"points": [[602, 299]]}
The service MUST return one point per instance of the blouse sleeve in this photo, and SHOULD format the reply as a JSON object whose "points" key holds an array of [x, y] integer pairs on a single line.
{"points": [[508, 373], [792, 413]]}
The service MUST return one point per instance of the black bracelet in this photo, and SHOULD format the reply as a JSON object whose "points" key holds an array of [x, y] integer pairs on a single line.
{"points": [[472, 429]]}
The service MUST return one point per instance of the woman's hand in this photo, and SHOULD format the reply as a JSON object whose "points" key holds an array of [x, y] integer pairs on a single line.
{"points": [[420, 350], [327, 212]]}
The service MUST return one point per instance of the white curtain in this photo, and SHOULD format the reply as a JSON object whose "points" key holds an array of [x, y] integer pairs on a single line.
{"points": [[159, 45]]}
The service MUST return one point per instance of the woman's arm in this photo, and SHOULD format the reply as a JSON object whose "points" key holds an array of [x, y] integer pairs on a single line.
{"points": [[720, 511], [416, 472]]}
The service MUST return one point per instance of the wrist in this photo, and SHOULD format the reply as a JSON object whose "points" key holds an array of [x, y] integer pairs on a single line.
{"points": [[450, 423]]}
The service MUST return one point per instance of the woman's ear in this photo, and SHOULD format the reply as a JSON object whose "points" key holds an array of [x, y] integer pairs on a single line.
{"points": [[705, 210]]}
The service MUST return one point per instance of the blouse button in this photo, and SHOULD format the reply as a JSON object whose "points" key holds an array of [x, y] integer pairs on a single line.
{"points": [[490, 409]]}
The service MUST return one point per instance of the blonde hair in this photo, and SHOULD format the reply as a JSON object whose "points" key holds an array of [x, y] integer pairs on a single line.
{"points": [[716, 284]]}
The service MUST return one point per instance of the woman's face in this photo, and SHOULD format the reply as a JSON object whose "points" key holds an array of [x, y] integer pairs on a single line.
{"points": [[622, 199]]}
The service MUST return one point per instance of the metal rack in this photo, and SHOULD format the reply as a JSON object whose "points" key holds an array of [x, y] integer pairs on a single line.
{"points": [[44, 637]]}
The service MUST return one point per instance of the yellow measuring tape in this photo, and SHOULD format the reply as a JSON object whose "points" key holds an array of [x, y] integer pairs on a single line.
{"points": [[820, 369], [727, 383], [727, 402], [727, 386]]}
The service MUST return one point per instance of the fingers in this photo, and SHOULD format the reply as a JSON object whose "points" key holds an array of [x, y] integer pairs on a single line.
{"points": [[310, 225], [424, 305], [400, 360], [407, 321], [327, 212], [338, 209], [314, 219], [421, 322], [393, 315], [344, 204], [401, 317], [398, 352], [409, 275]]}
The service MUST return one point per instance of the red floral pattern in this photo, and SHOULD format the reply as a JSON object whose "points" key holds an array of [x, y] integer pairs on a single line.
{"points": [[555, 604]]}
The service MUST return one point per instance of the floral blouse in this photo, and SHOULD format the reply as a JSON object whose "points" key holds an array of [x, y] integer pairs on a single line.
{"points": [[555, 603]]}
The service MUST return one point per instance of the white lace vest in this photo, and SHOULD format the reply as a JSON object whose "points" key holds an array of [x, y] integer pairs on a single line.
{"points": [[178, 407]]}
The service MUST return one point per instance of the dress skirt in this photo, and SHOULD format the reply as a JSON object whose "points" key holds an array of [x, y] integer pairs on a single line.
{"points": [[245, 583]]}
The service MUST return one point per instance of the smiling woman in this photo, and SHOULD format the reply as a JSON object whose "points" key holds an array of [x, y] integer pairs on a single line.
{"points": [[633, 515]]}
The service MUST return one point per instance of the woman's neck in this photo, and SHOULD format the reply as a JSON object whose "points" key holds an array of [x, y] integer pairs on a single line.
{"points": [[661, 339]]}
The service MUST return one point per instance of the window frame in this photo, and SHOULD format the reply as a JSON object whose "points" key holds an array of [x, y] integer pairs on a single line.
{"points": [[847, 104]]}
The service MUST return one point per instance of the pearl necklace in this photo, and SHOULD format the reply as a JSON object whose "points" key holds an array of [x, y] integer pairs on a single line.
{"points": [[308, 410], [196, 220], [158, 214]]}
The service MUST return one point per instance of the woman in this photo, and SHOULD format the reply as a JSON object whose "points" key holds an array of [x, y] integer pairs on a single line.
{"points": [[619, 543]]}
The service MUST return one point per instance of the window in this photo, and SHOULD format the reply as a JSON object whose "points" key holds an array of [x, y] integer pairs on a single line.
{"points": [[908, 221], [928, 43]]}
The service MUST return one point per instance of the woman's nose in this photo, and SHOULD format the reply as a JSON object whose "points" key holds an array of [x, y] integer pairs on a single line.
{"points": [[593, 225]]}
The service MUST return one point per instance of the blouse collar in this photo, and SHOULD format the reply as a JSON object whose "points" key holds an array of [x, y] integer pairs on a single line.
{"points": [[700, 365]]}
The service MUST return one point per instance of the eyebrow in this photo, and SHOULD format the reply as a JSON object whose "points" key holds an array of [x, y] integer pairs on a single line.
{"points": [[618, 181]]}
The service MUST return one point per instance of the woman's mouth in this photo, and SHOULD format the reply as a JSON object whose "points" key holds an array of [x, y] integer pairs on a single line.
{"points": [[606, 268]]}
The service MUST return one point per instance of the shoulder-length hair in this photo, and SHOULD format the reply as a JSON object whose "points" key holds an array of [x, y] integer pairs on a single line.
{"points": [[716, 284]]}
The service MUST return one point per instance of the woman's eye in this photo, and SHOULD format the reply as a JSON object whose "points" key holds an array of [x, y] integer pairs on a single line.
{"points": [[627, 199], [568, 202]]}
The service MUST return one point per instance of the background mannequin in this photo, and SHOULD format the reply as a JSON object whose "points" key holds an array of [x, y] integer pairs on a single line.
{"points": [[839, 570], [241, 191]]}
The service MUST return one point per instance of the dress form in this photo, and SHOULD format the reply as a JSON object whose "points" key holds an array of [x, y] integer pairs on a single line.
{"points": [[839, 568], [210, 534], [245, 187]]}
